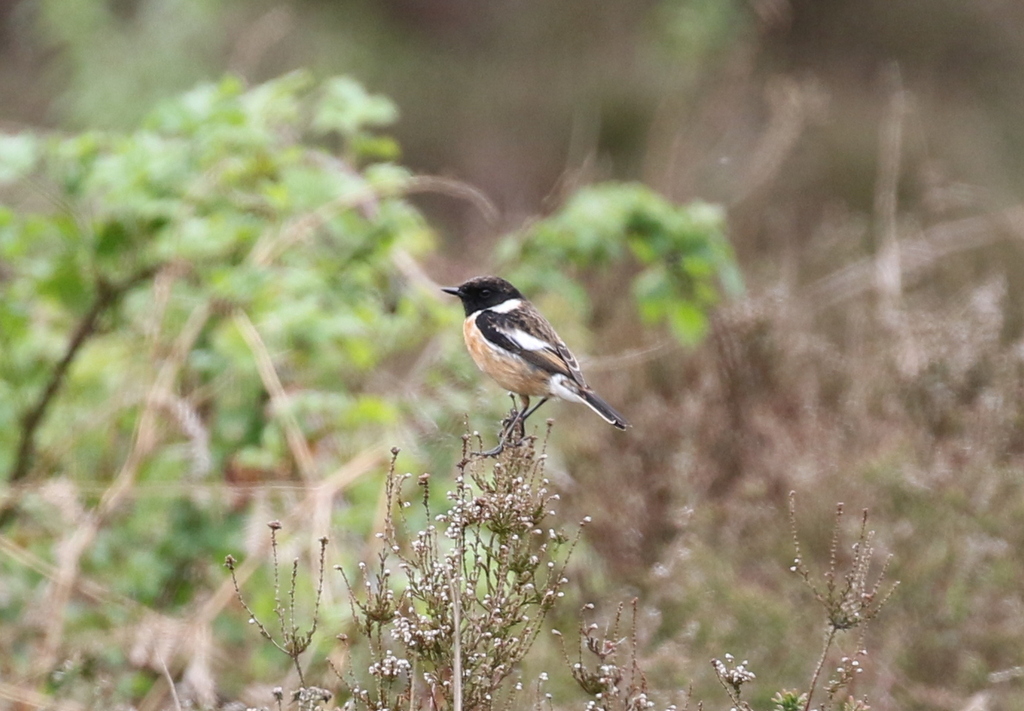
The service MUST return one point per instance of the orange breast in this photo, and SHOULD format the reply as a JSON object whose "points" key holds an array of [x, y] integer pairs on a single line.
{"points": [[509, 371]]}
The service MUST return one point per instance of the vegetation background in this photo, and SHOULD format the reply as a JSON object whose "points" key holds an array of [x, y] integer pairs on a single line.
{"points": [[864, 160]]}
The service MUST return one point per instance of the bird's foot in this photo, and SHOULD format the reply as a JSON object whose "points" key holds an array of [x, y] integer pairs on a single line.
{"points": [[490, 452], [506, 424], [507, 440], [513, 423], [519, 426]]}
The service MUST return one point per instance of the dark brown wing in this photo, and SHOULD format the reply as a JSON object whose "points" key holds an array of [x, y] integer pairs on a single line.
{"points": [[526, 333]]}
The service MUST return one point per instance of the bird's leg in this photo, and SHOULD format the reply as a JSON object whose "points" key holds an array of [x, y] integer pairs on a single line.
{"points": [[525, 412], [507, 427], [535, 408], [525, 400], [513, 414], [509, 424]]}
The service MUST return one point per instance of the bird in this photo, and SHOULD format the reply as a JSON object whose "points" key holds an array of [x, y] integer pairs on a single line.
{"points": [[514, 344]]}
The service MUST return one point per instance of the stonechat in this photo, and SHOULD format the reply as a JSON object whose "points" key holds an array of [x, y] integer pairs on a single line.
{"points": [[513, 343]]}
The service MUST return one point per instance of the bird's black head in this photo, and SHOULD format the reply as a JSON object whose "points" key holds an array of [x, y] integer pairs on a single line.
{"points": [[483, 292]]}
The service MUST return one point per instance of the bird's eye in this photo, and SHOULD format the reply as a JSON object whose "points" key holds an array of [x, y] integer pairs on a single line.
{"points": [[485, 293]]}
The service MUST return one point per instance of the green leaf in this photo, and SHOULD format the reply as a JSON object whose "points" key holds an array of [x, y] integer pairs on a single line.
{"points": [[652, 291], [18, 156], [112, 238], [371, 409], [66, 283], [307, 187], [688, 260], [688, 322], [203, 238], [207, 105], [276, 102], [381, 148], [347, 108], [387, 177]]}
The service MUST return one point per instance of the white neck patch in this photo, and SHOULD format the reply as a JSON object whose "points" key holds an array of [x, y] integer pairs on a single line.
{"points": [[505, 306]]}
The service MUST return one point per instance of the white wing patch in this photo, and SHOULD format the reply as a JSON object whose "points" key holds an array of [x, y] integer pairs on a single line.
{"points": [[528, 342]]}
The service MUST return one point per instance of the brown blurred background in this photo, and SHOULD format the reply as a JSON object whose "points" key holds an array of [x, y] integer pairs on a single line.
{"points": [[870, 156]]}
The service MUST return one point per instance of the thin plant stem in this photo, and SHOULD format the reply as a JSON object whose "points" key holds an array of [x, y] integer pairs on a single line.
{"points": [[278, 609], [457, 637], [107, 297], [829, 638]]}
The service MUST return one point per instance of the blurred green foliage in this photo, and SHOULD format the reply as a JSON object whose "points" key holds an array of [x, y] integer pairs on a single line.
{"points": [[791, 393], [218, 189], [511, 96], [684, 257], [230, 293]]}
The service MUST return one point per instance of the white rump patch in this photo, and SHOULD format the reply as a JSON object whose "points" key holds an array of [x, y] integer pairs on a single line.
{"points": [[564, 389], [505, 306]]}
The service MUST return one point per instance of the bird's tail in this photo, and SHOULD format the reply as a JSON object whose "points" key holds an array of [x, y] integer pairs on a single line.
{"points": [[606, 411]]}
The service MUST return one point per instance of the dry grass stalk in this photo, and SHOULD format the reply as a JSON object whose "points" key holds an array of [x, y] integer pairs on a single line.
{"points": [[466, 600], [278, 397], [84, 533]]}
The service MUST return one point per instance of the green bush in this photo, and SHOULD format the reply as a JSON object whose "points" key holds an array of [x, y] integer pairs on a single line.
{"points": [[226, 305]]}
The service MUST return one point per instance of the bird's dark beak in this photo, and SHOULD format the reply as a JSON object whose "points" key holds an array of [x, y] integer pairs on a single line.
{"points": [[453, 290]]}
